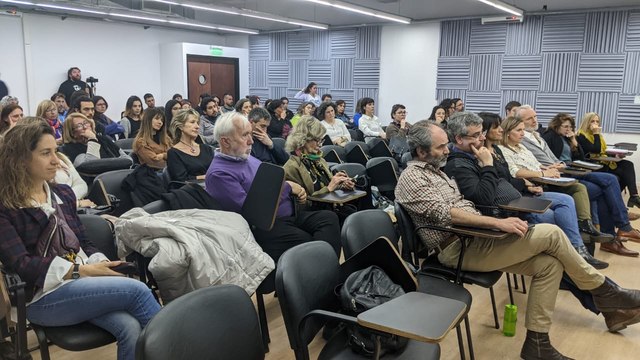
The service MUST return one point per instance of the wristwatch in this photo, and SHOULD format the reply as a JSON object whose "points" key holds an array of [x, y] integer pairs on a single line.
{"points": [[76, 271]]}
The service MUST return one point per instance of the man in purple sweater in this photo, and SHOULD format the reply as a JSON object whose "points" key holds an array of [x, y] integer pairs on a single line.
{"points": [[230, 176]]}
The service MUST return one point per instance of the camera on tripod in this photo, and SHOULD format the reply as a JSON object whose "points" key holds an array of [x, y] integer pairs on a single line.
{"points": [[91, 80]]}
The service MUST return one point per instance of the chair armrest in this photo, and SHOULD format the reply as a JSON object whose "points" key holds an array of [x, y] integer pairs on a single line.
{"points": [[15, 288]]}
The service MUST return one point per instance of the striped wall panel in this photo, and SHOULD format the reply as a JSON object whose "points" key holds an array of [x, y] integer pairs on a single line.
{"points": [[297, 45], [366, 73], [346, 95], [605, 32], [442, 94], [559, 72], [320, 72], [342, 73], [454, 38], [628, 115], [359, 93], [633, 32], [487, 38], [549, 104], [343, 44], [298, 70], [483, 101], [604, 103], [278, 73], [524, 38], [632, 74], [278, 49], [277, 92], [258, 73], [601, 72], [368, 43], [484, 72], [262, 92], [563, 32], [453, 73], [320, 45], [521, 96], [259, 47], [520, 72]]}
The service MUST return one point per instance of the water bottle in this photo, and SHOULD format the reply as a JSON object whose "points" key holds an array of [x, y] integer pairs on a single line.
{"points": [[510, 319]]}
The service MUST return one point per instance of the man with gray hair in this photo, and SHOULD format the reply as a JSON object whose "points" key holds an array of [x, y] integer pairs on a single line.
{"points": [[229, 179], [264, 149], [543, 252]]}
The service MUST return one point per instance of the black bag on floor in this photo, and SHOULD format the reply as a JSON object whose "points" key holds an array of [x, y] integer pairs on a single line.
{"points": [[363, 290]]}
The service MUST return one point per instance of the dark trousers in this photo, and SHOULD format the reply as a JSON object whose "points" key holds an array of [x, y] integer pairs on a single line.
{"points": [[626, 174], [306, 226]]}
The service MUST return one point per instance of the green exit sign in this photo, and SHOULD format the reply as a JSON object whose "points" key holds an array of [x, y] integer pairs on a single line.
{"points": [[215, 51]]}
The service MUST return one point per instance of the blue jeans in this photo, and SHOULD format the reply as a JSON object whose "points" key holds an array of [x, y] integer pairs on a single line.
{"points": [[604, 190], [120, 305], [562, 212]]}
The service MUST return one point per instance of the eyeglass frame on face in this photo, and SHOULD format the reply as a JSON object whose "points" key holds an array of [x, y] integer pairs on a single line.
{"points": [[477, 135], [83, 125], [402, 112], [319, 140]]}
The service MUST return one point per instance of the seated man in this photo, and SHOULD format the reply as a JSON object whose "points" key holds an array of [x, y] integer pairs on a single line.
{"points": [[542, 252], [263, 148], [471, 165], [230, 176]]}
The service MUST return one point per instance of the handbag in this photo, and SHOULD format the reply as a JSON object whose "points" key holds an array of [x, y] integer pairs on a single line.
{"points": [[58, 239]]}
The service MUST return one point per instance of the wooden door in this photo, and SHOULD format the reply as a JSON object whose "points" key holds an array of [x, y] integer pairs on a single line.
{"points": [[213, 75]]}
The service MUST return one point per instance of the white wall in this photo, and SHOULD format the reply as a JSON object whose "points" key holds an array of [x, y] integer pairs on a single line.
{"points": [[408, 69], [125, 57]]}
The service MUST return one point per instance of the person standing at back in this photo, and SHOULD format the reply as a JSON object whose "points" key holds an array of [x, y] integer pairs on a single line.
{"points": [[73, 83]]}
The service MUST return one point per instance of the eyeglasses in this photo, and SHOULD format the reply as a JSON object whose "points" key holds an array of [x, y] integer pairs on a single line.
{"points": [[83, 125], [315, 139], [402, 112], [476, 135]]}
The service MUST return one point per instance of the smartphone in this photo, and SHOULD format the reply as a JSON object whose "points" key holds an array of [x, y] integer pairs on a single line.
{"points": [[126, 268]]}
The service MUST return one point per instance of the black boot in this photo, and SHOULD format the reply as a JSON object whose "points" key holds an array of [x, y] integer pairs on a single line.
{"points": [[537, 346], [634, 200], [598, 264], [586, 227], [610, 297]]}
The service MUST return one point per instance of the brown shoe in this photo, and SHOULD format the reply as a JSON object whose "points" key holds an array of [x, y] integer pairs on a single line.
{"points": [[620, 319], [633, 235], [617, 248], [633, 216]]}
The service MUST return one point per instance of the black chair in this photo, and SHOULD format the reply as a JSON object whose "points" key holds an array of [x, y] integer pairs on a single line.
{"points": [[352, 169], [432, 265], [218, 322], [306, 277], [326, 140], [357, 233], [333, 153], [406, 157], [378, 148], [357, 152], [383, 173], [278, 142], [89, 170], [356, 135], [112, 181], [125, 144], [80, 337]]}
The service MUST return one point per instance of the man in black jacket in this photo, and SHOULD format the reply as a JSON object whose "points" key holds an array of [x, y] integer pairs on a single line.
{"points": [[73, 83], [263, 148]]}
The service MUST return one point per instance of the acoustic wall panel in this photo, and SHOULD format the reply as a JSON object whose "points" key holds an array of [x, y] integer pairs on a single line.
{"points": [[633, 32], [559, 72], [628, 115], [296, 45], [549, 105], [366, 92], [604, 103], [453, 73], [484, 72], [632, 74], [523, 96], [604, 32], [320, 72], [368, 43], [525, 38], [298, 73], [278, 47], [520, 72], [483, 101], [320, 45], [487, 39], [563, 32], [454, 38], [346, 95], [258, 73], [263, 93], [601, 72], [366, 73], [278, 73], [259, 47], [442, 94], [277, 92], [342, 73], [343, 44]]}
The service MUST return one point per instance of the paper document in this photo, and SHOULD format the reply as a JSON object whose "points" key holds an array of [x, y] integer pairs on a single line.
{"points": [[560, 180]]}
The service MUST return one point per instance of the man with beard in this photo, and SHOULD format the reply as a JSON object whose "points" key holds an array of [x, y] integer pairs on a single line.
{"points": [[61, 103], [227, 103], [73, 83]]}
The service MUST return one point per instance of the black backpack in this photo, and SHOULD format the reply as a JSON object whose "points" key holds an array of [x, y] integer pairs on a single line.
{"points": [[363, 290]]}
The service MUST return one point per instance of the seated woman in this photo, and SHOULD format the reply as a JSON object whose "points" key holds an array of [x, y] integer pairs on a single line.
{"points": [[309, 94], [369, 124], [152, 143], [48, 110], [187, 160], [171, 108], [305, 108], [399, 125], [439, 116], [593, 143], [306, 166], [341, 105], [111, 128], [336, 129], [243, 106], [132, 115], [82, 144], [279, 126], [208, 119], [9, 117], [69, 282]]}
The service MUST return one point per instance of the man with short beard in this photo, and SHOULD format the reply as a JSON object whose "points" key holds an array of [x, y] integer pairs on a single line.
{"points": [[227, 103], [73, 83], [61, 103]]}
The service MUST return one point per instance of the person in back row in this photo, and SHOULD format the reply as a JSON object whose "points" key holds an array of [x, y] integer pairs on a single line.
{"points": [[263, 148], [187, 160], [132, 117], [152, 143]]}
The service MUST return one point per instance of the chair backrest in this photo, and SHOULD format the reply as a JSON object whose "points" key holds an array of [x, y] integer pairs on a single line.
{"points": [[379, 148], [217, 322], [356, 135], [407, 233], [277, 141], [306, 276], [358, 230], [261, 204], [406, 157], [352, 169], [327, 140], [125, 144], [334, 153], [383, 173], [98, 231], [157, 206], [112, 181]]}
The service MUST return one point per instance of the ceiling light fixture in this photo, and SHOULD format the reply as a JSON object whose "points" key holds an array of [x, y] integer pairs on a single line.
{"points": [[68, 8], [503, 6], [213, 27], [363, 10]]}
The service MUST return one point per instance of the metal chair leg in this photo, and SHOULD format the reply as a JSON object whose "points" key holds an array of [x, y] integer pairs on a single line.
{"points": [[524, 285], [264, 327], [493, 304], [42, 342], [469, 341], [509, 287], [515, 282], [460, 342]]}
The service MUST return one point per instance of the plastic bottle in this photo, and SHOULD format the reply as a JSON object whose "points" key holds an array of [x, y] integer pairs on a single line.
{"points": [[510, 319]]}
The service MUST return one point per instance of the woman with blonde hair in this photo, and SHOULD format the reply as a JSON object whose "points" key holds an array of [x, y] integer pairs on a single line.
{"points": [[71, 282], [48, 110], [592, 142], [81, 143], [152, 143], [187, 159]]}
